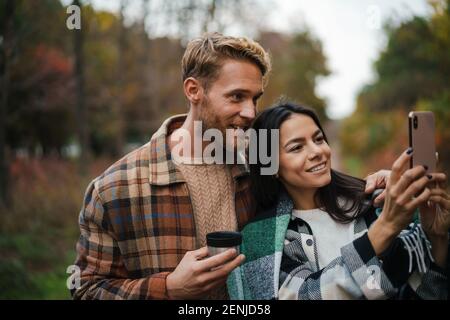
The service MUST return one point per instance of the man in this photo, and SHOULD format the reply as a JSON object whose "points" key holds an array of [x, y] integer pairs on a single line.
{"points": [[144, 220]]}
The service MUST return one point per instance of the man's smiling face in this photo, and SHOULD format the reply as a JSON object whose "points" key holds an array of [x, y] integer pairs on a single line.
{"points": [[230, 101]]}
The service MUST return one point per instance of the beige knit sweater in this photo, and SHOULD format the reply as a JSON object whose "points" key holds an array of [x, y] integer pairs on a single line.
{"points": [[212, 194]]}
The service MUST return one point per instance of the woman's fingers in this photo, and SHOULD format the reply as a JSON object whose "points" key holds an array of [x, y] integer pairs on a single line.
{"points": [[444, 203], [439, 192], [441, 180], [438, 185], [441, 197], [419, 200], [414, 189], [407, 179], [399, 166]]}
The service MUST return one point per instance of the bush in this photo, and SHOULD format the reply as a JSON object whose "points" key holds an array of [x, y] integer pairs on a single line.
{"points": [[39, 230]]}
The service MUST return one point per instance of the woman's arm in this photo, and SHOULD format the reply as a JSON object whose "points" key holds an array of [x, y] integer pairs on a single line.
{"points": [[410, 263], [347, 276], [356, 274], [439, 250], [360, 273]]}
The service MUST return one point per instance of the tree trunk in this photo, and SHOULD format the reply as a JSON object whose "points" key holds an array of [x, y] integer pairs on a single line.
{"points": [[82, 127], [119, 107], [6, 51], [150, 82]]}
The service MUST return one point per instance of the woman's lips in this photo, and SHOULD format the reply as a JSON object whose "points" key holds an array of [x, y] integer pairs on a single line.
{"points": [[318, 168]]}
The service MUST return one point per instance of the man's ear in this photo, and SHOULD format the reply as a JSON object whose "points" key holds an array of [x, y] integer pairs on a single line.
{"points": [[193, 90]]}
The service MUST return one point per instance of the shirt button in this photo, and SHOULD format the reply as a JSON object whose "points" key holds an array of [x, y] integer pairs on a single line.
{"points": [[309, 242]]}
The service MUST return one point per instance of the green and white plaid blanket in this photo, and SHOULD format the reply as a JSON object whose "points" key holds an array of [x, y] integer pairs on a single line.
{"points": [[271, 271]]}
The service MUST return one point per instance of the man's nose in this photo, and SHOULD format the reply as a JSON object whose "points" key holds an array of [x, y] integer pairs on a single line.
{"points": [[248, 112]]}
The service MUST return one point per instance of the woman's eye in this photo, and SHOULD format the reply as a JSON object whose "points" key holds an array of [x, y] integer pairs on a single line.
{"points": [[295, 148], [320, 139]]}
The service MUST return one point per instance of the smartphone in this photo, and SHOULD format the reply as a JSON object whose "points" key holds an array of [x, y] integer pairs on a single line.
{"points": [[422, 139]]}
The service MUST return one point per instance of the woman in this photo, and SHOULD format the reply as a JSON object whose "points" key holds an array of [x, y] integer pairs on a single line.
{"points": [[316, 236]]}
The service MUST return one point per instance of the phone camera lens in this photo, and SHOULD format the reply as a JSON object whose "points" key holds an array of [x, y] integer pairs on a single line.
{"points": [[415, 123]]}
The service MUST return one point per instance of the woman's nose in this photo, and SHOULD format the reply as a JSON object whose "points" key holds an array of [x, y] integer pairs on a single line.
{"points": [[315, 151]]}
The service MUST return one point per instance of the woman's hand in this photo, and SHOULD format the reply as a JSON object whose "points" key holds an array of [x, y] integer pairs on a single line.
{"points": [[435, 218], [435, 215], [406, 189]]}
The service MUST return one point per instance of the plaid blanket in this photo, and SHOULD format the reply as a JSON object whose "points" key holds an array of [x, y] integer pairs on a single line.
{"points": [[281, 263]]}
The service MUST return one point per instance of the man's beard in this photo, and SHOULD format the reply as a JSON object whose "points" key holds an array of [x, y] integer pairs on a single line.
{"points": [[211, 121]]}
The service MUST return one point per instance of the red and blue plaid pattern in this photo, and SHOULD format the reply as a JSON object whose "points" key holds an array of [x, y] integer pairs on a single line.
{"points": [[137, 222]]}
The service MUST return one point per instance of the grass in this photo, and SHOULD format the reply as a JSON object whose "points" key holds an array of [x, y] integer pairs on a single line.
{"points": [[53, 284], [39, 230], [33, 266]]}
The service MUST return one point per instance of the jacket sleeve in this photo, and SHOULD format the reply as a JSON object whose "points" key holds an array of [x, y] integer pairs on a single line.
{"points": [[100, 272], [411, 266], [358, 273]]}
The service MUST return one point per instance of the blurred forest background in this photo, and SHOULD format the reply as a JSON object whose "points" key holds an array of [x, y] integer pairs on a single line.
{"points": [[74, 101]]}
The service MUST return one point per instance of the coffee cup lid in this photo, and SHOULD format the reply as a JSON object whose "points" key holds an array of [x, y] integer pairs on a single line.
{"points": [[223, 239]]}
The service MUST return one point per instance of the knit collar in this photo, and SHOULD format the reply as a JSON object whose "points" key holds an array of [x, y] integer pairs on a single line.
{"points": [[163, 170]]}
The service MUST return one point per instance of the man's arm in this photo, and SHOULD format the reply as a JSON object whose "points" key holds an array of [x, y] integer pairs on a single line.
{"points": [[103, 274], [102, 271]]}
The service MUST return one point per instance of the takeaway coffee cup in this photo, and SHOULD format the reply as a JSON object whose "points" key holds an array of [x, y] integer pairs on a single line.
{"points": [[221, 241]]}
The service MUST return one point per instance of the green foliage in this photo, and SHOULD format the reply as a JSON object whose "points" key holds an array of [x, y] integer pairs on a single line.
{"points": [[22, 276], [298, 62], [128, 91], [410, 61], [131, 83], [413, 73], [39, 231], [16, 281], [41, 98], [441, 108]]}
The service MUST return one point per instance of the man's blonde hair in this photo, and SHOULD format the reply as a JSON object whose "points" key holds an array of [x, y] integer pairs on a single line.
{"points": [[205, 55]]}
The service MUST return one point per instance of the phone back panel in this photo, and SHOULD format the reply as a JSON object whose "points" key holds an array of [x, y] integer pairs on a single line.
{"points": [[422, 139]]}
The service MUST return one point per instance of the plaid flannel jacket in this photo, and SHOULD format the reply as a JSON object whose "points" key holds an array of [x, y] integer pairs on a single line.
{"points": [[282, 263], [137, 223]]}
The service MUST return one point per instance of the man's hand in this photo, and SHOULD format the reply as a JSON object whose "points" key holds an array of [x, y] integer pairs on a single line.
{"points": [[195, 276], [377, 180]]}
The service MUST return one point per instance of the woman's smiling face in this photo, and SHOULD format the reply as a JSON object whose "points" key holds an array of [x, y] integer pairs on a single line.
{"points": [[305, 156]]}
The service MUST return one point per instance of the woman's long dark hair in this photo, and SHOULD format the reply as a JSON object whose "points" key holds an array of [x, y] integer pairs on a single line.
{"points": [[342, 196]]}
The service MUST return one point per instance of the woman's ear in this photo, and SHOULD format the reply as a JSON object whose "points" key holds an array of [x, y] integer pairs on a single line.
{"points": [[193, 90]]}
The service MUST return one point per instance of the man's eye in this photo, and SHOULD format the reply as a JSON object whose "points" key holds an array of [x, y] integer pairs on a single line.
{"points": [[237, 97]]}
